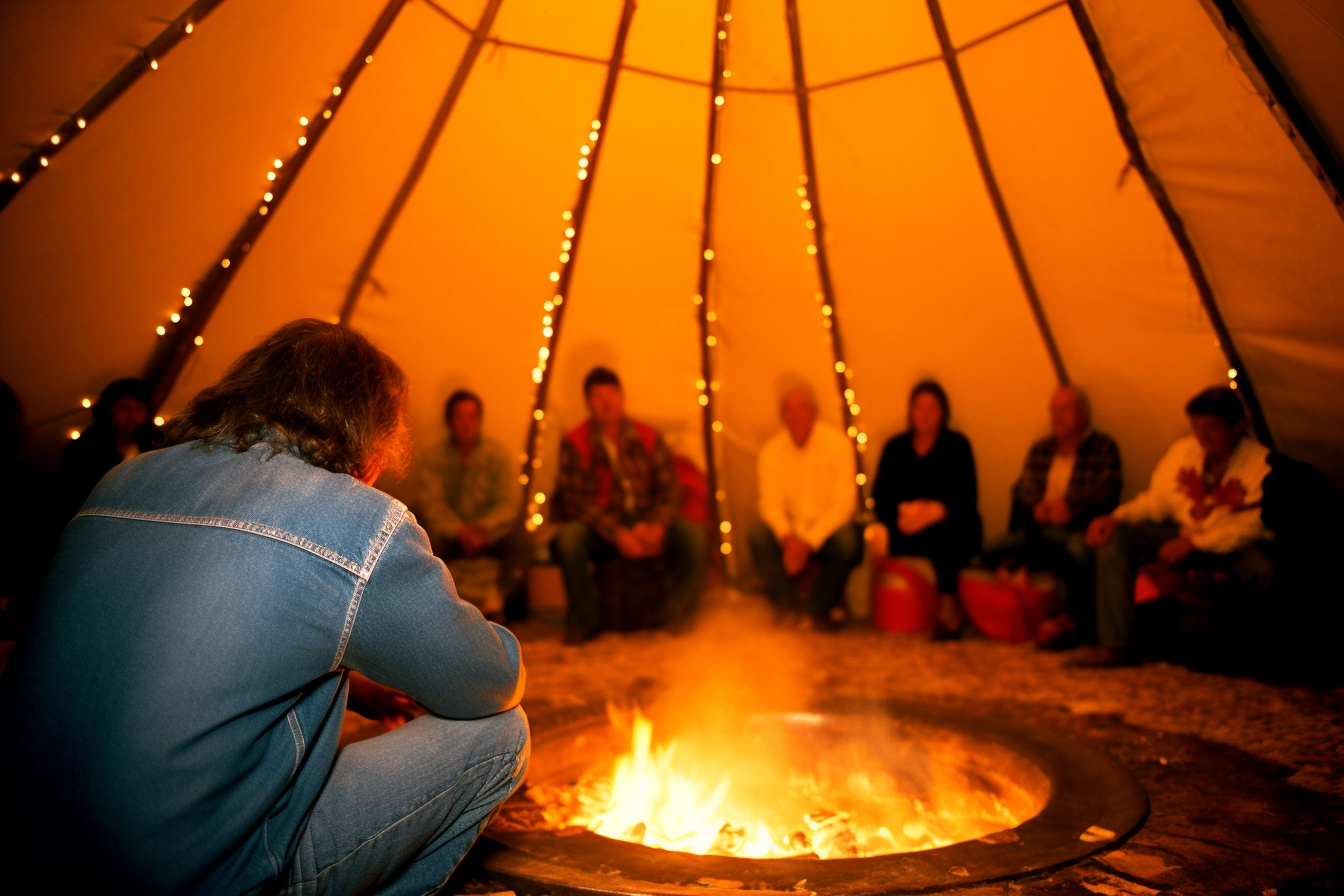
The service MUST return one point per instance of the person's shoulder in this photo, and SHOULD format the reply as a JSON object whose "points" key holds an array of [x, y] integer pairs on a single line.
{"points": [[775, 443], [956, 440], [1101, 441], [1254, 451], [1185, 445], [494, 448], [901, 440], [648, 435]]}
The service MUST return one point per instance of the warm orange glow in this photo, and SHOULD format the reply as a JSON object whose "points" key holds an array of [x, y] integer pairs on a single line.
{"points": [[43, 160], [81, 123], [725, 527], [158, 421], [335, 91], [55, 139], [160, 329], [689, 798], [200, 340], [154, 64], [174, 317], [87, 403]]}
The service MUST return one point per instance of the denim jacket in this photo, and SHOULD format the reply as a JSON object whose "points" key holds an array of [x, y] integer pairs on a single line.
{"points": [[174, 707]]}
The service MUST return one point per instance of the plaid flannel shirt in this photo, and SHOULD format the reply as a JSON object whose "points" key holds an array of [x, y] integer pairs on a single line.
{"points": [[1094, 487], [646, 490]]}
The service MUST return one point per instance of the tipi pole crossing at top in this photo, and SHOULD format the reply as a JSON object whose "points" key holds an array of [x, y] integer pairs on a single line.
{"points": [[712, 159], [421, 161], [563, 277], [992, 187], [818, 248], [1238, 374], [175, 345]]}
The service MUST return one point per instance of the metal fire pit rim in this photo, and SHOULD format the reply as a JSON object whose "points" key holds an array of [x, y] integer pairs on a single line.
{"points": [[1089, 793]]}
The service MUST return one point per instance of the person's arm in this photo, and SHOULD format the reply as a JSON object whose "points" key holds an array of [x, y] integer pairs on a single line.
{"points": [[1098, 475], [413, 633], [841, 494], [770, 491], [1227, 529], [575, 490], [1153, 504], [504, 495], [434, 513], [1030, 486], [665, 489], [960, 490]]}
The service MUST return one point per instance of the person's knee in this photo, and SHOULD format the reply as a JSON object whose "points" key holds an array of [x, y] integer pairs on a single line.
{"points": [[844, 545], [571, 542], [687, 537], [1075, 546], [761, 538]]}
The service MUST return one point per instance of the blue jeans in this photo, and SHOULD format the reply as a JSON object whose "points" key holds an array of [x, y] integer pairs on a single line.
{"points": [[576, 545], [837, 555], [1135, 544], [399, 811]]}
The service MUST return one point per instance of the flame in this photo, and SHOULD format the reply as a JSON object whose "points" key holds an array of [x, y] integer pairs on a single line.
{"points": [[661, 797]]}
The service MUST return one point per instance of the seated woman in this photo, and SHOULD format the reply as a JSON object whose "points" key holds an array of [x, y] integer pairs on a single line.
{"points": [[169, 723], [925, 497], [121, 429]]}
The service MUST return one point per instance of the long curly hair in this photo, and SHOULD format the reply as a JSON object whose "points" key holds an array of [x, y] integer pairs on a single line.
{"points": [[311, 386]]}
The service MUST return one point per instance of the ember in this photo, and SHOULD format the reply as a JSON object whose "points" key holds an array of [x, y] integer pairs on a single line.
{"points": [[790, 785]]}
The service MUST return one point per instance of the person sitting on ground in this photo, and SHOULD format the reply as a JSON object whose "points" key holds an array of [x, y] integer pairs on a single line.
{"points": [[1070, 478], [805, 477], [171, 718], [121, 429], [617, 494], [1201, 510], [925, 498], [469, 504]]}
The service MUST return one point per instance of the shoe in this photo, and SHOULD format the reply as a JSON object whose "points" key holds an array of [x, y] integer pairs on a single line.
{"points": [[1103, 658], [577, 635]]}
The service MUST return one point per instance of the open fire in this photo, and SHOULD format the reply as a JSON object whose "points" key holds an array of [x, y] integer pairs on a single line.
{"points": [[789, 785]]}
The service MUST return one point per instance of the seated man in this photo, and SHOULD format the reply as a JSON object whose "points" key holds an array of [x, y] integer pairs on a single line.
{"points": [[805, 477], [617, 493], [1069, 479], [1201, 509], [170, 722], [469, 504]]}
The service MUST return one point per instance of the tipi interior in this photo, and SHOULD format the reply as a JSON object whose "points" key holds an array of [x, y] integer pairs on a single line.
{"points": [[718, 199]]}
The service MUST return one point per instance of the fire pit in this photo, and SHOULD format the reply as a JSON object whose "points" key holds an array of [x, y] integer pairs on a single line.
{"points": [[852, 798]]}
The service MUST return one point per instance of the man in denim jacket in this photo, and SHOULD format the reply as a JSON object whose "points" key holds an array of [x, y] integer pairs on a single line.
{"points": [[170, 722]]}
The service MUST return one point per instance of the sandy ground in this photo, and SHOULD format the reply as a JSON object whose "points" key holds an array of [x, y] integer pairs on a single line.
{"points": [[737, 643]]}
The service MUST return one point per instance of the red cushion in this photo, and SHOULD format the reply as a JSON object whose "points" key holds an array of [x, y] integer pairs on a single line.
{"points": [[1002, 608], [905, 598]]}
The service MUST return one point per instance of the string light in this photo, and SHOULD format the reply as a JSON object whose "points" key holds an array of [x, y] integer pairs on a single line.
{"points": [[74, 434], [708, 317], [158, 421], [550, 322], [87, 402]]}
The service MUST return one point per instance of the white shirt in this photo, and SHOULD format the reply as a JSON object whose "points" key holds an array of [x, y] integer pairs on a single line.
{"points": [[807, 492], [1057, 479], [1224, 530]]}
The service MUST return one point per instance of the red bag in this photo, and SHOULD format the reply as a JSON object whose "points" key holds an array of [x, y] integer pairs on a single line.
{"points": [[905, 594], [1006, 607]]}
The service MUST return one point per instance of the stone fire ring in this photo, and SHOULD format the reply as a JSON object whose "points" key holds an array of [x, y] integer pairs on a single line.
{"points": [[1094, 804]]}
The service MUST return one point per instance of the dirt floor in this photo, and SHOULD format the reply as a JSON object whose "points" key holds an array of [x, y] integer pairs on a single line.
{"points": [[1245, 780]]}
